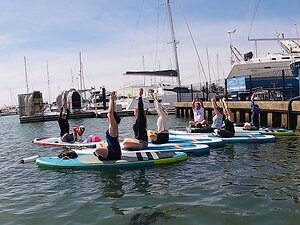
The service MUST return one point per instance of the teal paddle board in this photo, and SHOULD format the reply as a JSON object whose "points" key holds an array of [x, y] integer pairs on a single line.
{"points": [[128, 160]]}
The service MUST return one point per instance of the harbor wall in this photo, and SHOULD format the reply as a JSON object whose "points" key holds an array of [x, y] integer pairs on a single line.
{"points": [[272, 113]]}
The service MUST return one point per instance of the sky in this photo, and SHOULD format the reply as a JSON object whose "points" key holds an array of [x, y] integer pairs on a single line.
{"points": [[116, 36]]}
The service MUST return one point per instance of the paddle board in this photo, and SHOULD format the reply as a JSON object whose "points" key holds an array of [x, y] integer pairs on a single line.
{"points": [[128, 160], [57, 142], [238, 137], [275, 131], [214, 142], [189, 148]]}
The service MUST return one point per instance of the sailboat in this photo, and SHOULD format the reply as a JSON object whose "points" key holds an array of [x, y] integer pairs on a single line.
{"points": [[167, 93]]}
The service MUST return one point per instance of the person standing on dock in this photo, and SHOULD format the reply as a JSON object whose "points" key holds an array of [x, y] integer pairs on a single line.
{"points": [[111, 150], [228, 131], [162, 134], [198, 110], [139, 127], [255, 111]]}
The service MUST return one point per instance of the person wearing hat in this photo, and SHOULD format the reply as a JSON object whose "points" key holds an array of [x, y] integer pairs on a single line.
{"points": [[78, 132]]}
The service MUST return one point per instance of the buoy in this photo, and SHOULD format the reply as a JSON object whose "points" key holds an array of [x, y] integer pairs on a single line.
{"points": [[29, 159]]}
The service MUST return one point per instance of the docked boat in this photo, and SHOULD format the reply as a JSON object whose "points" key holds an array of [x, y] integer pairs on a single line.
{"points": [[273, 72]]}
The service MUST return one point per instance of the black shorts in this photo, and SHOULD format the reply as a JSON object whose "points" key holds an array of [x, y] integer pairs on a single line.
{"points": [[113, 154], [225, 133], [161, 138]]}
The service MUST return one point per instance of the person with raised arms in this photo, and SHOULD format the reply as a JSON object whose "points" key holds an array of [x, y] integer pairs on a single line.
{"points": [[162, 134], [139, 127], [198, 111], [217, 120], [111, 150], [63, 122], [228, 130], [255, 111]]}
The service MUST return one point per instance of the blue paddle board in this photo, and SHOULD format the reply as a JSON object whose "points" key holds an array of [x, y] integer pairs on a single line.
{"points": [[238, 137]]}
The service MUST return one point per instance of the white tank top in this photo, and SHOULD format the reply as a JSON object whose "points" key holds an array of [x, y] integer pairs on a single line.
{"points": [[198, 114]]}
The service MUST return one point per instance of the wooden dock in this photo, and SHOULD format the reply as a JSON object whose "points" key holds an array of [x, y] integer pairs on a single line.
{"points": [[272, 113], [52, 116]]}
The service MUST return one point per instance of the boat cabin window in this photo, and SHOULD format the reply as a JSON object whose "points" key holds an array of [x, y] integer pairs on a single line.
{"points": [[285, 58], [273, 58]]}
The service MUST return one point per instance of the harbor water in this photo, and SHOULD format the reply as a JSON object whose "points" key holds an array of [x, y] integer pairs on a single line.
{"points": [[236, 184]]}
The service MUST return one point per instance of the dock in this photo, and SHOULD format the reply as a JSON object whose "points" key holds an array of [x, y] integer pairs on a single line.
{"points": [[272, 113], [52, 116]]}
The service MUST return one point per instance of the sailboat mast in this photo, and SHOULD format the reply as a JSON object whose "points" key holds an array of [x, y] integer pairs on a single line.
{"points": [[48, 79], [26, 79], [174, 42], [80, 71], [82, 84]]}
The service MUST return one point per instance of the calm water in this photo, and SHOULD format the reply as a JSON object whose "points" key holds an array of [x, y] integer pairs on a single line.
{"points": [[238, 184]]}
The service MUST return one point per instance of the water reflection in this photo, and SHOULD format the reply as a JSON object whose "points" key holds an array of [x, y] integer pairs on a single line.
{"points": [[141, 184], [112, 184]]}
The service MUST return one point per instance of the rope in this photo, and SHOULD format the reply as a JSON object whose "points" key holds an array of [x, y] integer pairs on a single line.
{"points": [[195, 47], [254, 14]]}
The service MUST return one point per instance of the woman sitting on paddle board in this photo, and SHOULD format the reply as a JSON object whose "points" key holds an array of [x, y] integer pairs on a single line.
{"points": [[198, 110], [228, 130], [63, 122], [162, 134], [110, 150], [139, 127], [217, 120]]}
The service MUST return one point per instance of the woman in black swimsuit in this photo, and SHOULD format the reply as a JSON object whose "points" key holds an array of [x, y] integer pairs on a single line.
{"points": [[139, 127], [110, 150]]}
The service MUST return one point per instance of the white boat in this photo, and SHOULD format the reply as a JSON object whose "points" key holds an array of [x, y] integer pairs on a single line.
{"points": [[95, 100], [267, 72]]}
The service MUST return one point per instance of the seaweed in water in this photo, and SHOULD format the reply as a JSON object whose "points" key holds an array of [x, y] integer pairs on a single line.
{"points": [[150, 218]]}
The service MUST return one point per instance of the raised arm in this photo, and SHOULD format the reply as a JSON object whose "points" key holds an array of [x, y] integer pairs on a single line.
{"points": [[194, 103], [113, 128], [68, 114], [228, 112], [61, 111], [141, 114], [157, 105], [215, 106], [252, 102]]}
